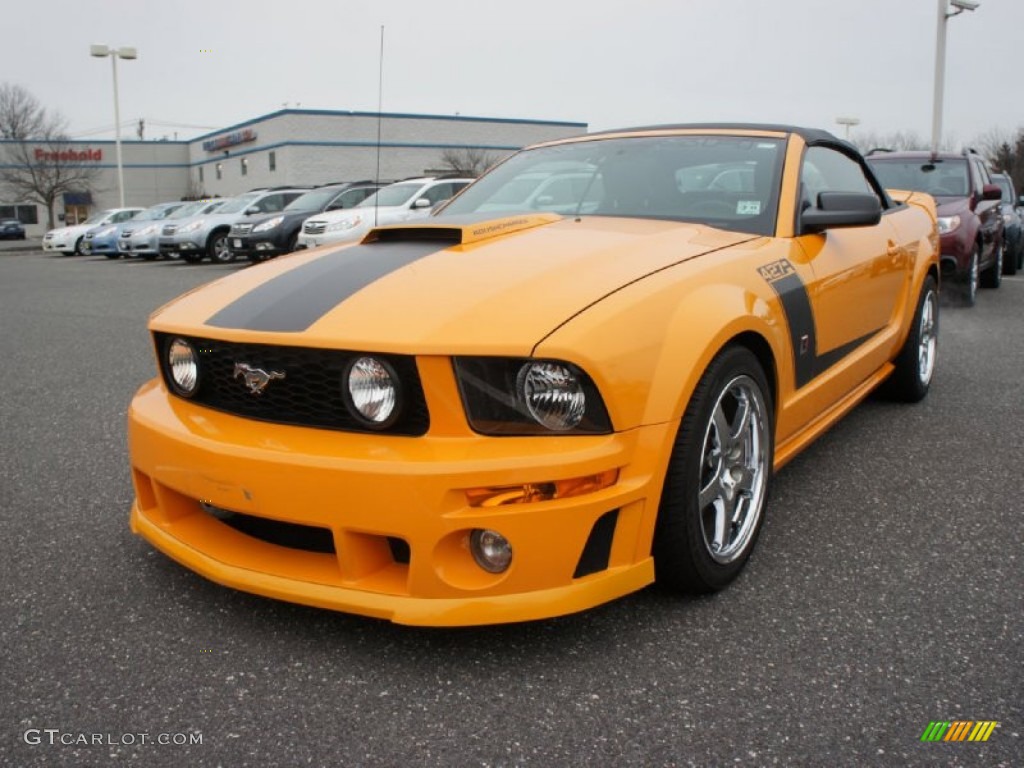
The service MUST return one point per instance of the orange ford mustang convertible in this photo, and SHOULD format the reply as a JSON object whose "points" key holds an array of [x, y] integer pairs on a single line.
{"points": [[578, 377]]}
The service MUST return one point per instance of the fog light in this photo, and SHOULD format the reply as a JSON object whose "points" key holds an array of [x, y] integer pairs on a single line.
{"points": [[491, 550]]}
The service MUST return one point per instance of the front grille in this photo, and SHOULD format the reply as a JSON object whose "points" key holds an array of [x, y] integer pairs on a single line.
{"points": [[241, 229], [170, 229], [126, 233], [311, 392], [314, 227]]}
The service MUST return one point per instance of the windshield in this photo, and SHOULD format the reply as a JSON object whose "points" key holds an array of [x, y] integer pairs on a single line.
{"points": [[729, 182], [96, 218], [396, 194], [156, 213], [312, 201], [237, 204], [943, 178]]}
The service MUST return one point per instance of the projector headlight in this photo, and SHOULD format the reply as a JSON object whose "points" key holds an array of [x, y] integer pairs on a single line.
{"points": [[947, 224], [268, 224], [344, 224], [523, 396]]}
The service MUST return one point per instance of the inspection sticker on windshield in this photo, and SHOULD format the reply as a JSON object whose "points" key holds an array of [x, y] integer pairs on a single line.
{"points": [[748, 207]]}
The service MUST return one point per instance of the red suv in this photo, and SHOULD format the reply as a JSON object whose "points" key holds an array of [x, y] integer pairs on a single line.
{"points": [[970, 223]]}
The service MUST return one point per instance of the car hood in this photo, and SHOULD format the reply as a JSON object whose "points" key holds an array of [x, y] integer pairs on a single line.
{"points": [[951, 206], [74, 230], [443, 286]]}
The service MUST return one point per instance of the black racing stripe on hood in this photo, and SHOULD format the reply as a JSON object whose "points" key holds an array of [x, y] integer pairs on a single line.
{"points": [[295, 300]]}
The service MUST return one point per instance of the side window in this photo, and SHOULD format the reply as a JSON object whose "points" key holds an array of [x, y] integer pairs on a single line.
{"points": [[826, 170], [349, 198], [271, 204], [123, 216], [438, 193]]}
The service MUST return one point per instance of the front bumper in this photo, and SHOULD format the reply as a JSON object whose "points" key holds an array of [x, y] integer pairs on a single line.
{"points": [[369, 491], [139, 246], [262, 245]]}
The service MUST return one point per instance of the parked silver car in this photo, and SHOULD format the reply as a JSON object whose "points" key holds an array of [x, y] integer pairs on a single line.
{"points": [[106, 239], [142, 238], [206, 235]]}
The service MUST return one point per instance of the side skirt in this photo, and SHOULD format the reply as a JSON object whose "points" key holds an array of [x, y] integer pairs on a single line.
{"points": [[786, 451]]}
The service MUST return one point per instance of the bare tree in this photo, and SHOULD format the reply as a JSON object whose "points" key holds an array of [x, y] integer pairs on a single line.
{"points": [[897, 141], [468, 161], [39, 162]]}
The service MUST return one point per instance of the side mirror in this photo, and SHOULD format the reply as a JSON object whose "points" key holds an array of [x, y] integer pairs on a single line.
{"points": [[841, 209], [252, 209], [422, 203], [991, 192]]}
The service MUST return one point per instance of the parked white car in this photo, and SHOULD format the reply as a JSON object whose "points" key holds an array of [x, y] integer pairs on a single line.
{"points": [[402, 201], [68, 240]]}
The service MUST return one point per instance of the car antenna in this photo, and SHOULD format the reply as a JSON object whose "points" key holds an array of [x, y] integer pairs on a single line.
{"points": [[380, 100]]}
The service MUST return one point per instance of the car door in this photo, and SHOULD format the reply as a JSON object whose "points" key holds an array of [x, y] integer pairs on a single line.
{"points": [[858, 273], [987, 211]]}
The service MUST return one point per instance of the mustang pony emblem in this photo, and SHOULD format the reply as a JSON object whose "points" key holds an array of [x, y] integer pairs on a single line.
{"points": [[256, 379]]}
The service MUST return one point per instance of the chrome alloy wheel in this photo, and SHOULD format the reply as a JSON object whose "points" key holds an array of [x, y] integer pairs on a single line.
{"points": [[927, 336], [734, 471]]}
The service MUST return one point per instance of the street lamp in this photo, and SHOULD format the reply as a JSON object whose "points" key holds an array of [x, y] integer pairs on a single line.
{"points": [[940, 61], [116, 53], [849, 122]]}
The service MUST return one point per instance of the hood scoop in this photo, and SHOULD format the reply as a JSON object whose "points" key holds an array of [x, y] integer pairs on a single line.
{"points": [[459, 230]]}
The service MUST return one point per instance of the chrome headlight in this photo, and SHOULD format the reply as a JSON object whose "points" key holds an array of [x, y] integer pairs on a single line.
{"points": [[268, 224], [149, 231], [553, 394], [947, 224], [351, 223], [524, 396], [372, 391], [105, 232], [183, 367], [192, 227]]}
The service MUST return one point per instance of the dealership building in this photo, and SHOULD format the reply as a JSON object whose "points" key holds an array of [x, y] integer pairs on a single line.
{"points": [[298, 147]]}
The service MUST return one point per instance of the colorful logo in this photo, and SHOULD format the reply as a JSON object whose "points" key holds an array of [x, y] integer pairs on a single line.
{"points": [[959, 730]]}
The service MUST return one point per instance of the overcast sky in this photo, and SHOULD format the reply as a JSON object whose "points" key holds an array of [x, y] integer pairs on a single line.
{"points": [[203, 66]]}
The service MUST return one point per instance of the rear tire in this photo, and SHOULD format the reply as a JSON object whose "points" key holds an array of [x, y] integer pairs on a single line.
{"points": [[993, 276], [915, 363], [970, 285], [718, 477]]}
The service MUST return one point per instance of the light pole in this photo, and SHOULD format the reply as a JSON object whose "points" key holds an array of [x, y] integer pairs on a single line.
{"points": [[940, 61], [849, 122], [116, 53]]}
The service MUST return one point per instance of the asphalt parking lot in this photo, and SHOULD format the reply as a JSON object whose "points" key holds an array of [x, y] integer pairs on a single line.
{"points": [[887, 591]]}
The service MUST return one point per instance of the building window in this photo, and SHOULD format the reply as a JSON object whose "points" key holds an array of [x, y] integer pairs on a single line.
{"points": [[272, 159], [220, 171], [26, 214], [200, 174], [245, 166]]}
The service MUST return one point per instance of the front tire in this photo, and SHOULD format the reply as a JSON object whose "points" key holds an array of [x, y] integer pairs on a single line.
{"points": [[78, 246], [718, 478], [915, 363], [218, 250]]}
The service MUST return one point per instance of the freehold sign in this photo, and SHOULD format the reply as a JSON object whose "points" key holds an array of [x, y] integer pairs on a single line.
{"points": [[69, 156]]}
